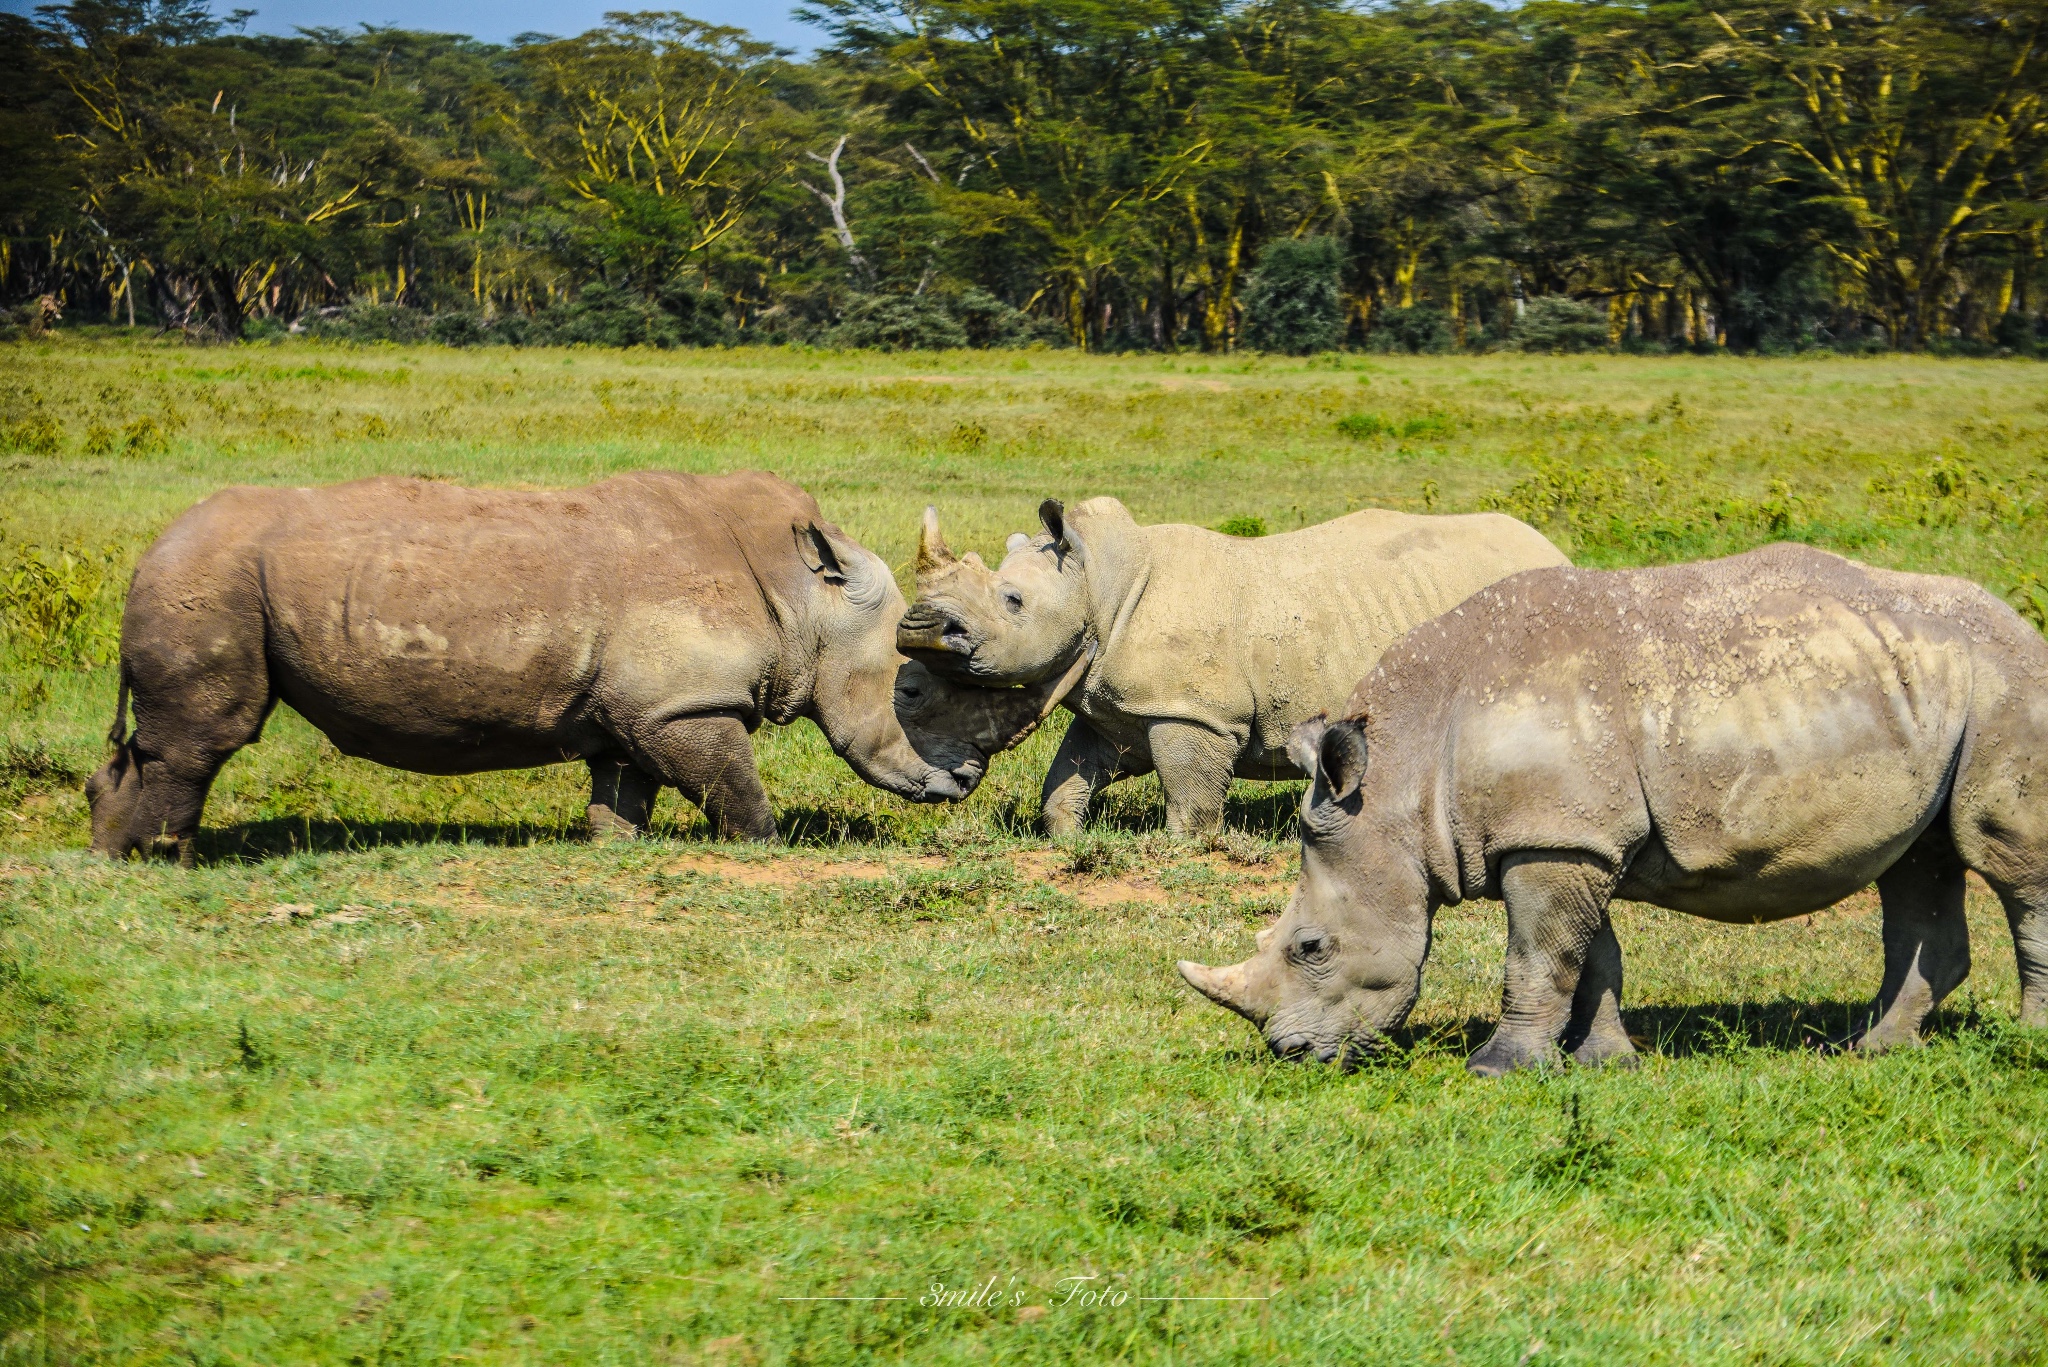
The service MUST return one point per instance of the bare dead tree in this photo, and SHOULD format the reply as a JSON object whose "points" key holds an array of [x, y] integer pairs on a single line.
{"points": [[836, 202], [922, 162], [958, 181]]}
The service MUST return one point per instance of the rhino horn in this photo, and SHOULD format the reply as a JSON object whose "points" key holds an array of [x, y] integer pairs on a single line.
{"points": [[1226, 987], [932, 551]]}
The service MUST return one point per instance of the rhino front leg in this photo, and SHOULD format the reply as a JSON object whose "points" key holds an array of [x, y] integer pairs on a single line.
{"points": [[1195, 766], [1084, 765], [1595, 1035], [710, 760], [621, 798], [1557, 907], [1926, 939]]}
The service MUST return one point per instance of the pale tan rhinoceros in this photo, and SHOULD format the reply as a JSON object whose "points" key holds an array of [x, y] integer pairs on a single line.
{"points": [[1212, 648], [645, 626], [1744, 739]]}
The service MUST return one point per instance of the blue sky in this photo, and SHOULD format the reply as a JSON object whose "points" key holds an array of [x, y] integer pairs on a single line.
{"points": [[500, 19]]}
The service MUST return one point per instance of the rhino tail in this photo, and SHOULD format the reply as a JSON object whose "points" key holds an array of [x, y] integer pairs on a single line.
{"points": [[117, 734]]}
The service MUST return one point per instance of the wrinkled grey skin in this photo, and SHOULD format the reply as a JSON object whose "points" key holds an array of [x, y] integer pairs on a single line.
{"points": [[961, 727], [645, 625], [1744, 740], [1212, 648]]}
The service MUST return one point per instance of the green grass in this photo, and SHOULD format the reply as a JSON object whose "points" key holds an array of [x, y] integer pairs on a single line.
{"points": [[407, 1073]]}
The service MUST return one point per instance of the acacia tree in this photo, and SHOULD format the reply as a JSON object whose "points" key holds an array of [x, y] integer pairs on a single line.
{"points": [[1926, 125], [665, 129]]}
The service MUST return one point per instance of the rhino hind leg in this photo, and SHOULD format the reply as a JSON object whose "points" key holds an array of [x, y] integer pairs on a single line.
{"points": [[2026, 911], [710, 760], [1595, 1037], [1926, 939], [1085, 764], [1195, 768], [1557, 911], [621, 798]]}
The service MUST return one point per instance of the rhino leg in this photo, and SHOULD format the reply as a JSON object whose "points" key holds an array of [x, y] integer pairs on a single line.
{"points": [[1084, 765], [710, 760], [2026, 911], [1195, 766], [1926, 938], [621, 798], [1557, 907], [1595, 1035]]}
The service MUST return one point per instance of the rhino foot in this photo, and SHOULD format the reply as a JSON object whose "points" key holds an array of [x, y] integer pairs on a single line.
{"points": [[1607, 1051], [1499, 1057]]}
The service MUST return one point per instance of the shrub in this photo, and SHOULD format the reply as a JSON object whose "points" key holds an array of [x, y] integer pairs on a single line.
{"points": [[607, 315], [898, 322], [459, 329], [145, 437], [362, 322], [989, 322], [1555, 323], [1294, 302], [1421, 329], [1365, 426], [26, 425], [51, 605], [2018, 333], [1244, 524]]}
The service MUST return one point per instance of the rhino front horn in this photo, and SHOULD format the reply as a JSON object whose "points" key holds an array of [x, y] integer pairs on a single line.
{"points": [[932, 551], [1224, 986]]}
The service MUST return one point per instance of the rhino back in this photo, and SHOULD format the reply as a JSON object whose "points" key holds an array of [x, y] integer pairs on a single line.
{"points": [[1762, 735], [1255, 635], [449, 629]]}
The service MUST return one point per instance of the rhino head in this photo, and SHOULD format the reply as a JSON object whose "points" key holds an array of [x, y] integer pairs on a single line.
{"points": [[854, 664], [1022, 623], [960, 727], [1343, 964]]}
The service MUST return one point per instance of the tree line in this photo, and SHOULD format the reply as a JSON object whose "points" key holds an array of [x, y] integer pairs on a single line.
{"points": [[1110, 174]]}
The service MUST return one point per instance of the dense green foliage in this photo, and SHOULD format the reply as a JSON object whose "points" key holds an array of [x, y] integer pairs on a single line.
{"points": [[1758, 175], [406, 1073]]}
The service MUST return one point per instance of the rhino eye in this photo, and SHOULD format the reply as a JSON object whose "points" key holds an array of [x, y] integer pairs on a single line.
{"points": [[1310, 947], [1013, 600]]}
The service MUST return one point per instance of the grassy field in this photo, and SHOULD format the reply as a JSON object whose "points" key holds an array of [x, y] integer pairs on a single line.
{"points": [[405, 1072]]}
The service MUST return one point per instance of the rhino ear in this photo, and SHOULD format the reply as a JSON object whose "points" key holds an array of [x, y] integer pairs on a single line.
{"points": [[820, 558], [1340, 760], [1305, 740], [1017, 539], [1053, 514], [828, 554]]}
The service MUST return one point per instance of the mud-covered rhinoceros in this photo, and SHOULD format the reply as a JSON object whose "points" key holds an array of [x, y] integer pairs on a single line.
{"points": [[644, 625], [1744, 740], [1212, 648]]}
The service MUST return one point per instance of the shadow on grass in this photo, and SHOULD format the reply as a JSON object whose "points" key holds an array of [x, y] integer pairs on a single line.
{"points": [[281, 836], [1267, 811], [1701, 1030]]}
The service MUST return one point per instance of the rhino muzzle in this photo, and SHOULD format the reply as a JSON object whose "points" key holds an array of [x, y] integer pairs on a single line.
{"points": [[934, 637]]}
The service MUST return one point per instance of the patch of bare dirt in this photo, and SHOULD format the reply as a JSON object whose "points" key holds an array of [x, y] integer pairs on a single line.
{"points": [[1173, 384], [1045, 866], [793, 870]]}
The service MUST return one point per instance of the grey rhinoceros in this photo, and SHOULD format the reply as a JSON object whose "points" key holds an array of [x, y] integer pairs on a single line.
{"points": [[1744, 740], [644, 625], [1212, 648]]}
